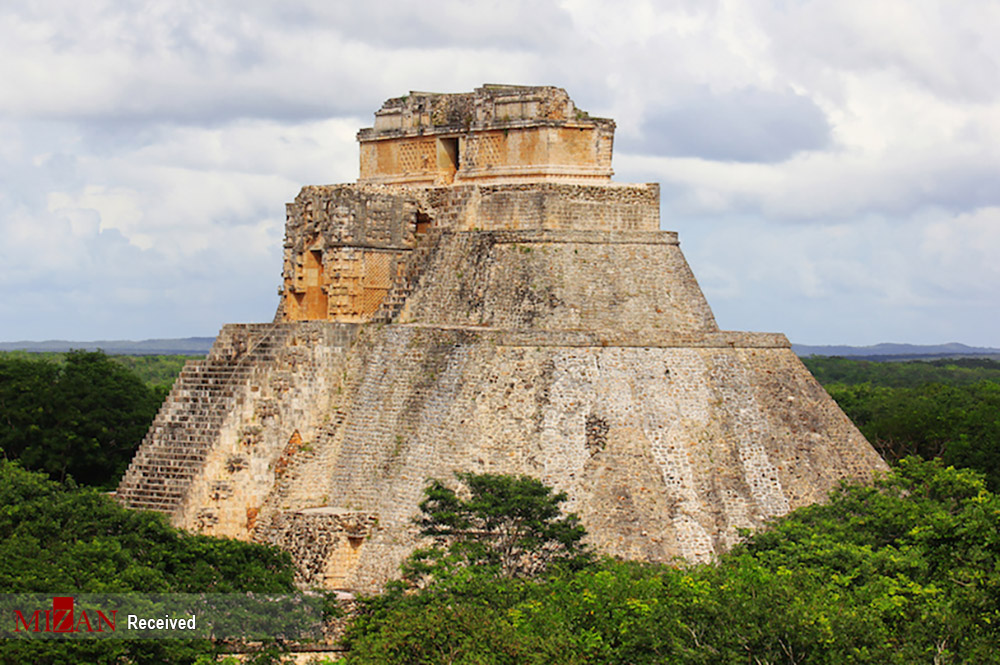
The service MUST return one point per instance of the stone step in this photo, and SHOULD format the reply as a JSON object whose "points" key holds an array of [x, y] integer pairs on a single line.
{"points": [[402, 287], [177, 461], [187, 425]]}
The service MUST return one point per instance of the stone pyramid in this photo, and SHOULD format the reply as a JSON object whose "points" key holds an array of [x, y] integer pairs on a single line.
{"points": [[486, 299]]}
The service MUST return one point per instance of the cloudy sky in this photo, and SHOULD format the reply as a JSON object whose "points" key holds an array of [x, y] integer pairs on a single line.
{"points": [[832, 166]]}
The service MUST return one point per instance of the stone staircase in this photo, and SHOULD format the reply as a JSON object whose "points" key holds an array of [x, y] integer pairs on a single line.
{"points": [[189, 421], [416, 263]]}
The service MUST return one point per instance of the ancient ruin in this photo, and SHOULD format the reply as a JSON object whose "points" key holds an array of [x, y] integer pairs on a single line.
{"points": [[485, 299]]}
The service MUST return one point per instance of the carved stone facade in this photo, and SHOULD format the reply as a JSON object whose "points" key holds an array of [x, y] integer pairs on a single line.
{"points": [[547, 328], [498, 133]]}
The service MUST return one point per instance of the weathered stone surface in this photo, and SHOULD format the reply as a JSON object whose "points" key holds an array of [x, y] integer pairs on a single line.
{"points": [[354, 251], [547, 329]]}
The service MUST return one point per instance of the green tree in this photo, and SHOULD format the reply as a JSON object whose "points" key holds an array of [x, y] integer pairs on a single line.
{"points": [[510, 525], [83, 418], [903, 571], [490, 537], [59, 538]]}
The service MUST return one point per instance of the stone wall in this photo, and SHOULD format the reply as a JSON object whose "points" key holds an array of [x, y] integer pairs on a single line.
{"points": [[664, 450], [552, 206], [560, 280], [574, 152]]}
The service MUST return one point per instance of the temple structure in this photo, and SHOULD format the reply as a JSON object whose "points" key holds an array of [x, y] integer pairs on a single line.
{"points": [[486, 299], [497, 134]]}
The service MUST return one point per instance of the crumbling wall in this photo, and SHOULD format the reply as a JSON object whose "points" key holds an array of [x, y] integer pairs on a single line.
{"points": [[324, 542]]}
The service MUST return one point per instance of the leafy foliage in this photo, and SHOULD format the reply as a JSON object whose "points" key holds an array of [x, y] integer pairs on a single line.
{"points": [[511, 526], [905, 571], [916, 556], [57, 538], [82, 418]]}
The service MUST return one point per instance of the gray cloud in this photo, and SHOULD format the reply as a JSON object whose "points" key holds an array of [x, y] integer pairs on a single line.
{"points": [[195, 64], [510, 25], [748, 125]]}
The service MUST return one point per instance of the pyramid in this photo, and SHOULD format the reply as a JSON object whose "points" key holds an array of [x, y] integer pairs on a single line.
{"points": [[486, 299]]}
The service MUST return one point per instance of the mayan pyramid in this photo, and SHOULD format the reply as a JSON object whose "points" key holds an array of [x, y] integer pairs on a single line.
{"points": [[486, 299]]}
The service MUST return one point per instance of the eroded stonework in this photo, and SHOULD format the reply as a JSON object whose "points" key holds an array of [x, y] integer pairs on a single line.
{"points": [[547, 328]]}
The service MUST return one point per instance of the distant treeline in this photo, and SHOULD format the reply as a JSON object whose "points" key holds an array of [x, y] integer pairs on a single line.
{"points": [[157, 371], [909, 374], [947, 409], [80, 414]]}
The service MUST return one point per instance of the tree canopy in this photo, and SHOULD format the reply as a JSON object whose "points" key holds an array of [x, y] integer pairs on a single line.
{"points": [[82, 418], [905, 571], [59, 538], [947, 409]]}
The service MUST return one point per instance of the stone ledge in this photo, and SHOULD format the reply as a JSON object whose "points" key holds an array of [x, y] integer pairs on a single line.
{"points": [[552, 236], [507, 337], [724, 339]]}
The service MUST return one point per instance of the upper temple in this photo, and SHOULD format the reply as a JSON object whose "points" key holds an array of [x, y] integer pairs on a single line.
{"points": [[496, 134]]}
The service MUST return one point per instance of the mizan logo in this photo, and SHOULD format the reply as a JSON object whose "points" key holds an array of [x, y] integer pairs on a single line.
{"points": [[63, 618]]}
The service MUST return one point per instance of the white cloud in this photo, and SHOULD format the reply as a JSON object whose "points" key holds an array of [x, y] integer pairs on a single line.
{"points": [[858, 281], [963, 248], [947, 49], [146, 153]]}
